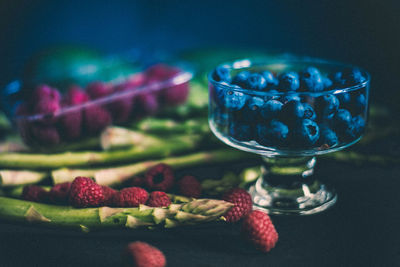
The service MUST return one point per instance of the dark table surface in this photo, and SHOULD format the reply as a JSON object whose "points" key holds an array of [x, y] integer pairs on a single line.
{"points": [[362, 229]]}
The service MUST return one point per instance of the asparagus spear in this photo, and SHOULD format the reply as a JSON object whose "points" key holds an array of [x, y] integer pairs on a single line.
{"points": [[117, 175], [20, 177], [196, 211], [158, 148], [169, 126]]}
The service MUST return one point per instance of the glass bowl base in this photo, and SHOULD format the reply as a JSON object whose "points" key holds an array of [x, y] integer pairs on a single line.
{"points": [[305, 199]]}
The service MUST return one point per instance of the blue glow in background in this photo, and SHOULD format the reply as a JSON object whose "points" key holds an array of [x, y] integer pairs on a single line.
{"points": [[365, 33]]}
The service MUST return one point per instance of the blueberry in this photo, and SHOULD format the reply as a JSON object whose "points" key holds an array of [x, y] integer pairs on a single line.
{"points": [[270, 79], [353, 76], [271, 109], [274, 133], [309, 112], [342, 119], [220, 117], [327, 83], [241, 131], [326, 106], [291, 96], [327, 137], [253, 107], [360, 104], [241, 78], [358, 125], [292, 111], [344, 98], [311, 80], [272, 94], [256, 82], [306, 133], [231, 99], [289, 81], [348, 77], [221, 73]]}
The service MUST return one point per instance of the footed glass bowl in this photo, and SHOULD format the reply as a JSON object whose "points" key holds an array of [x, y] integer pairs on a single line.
{"points": [[288, 111]]}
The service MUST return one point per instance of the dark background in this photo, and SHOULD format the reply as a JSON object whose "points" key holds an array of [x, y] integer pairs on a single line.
{"points": [[361, 230], [365, 33]]}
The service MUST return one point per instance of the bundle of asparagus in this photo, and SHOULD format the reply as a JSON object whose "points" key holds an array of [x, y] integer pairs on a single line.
{"points": [[86, 219]]}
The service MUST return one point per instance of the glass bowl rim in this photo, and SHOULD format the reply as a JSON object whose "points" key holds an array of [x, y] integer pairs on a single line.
{"points": [[249, 62]]}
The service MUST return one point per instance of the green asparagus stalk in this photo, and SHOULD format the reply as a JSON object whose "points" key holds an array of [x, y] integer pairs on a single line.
{"points": [[194, 212], [169, 126], [117, 175], [20, 177], [158, 149]]}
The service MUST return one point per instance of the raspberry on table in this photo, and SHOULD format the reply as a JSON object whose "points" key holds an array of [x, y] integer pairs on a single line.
{"points": [[84, 192], [45, 135], [257, 227], [158, 199], [108, 193], [160, 178], [189, 186], [141, 254], [34, 193], [96, 118], [130, 197], [243, 204], [59, 193]]}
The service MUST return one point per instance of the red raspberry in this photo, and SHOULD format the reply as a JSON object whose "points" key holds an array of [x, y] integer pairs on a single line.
{"points": [[59, 193], [45, 92], [34, 193], [158, 199], [242, 201], [98, 89], [257, 227], [160, 177], [85, 192], [145, 104], [189, 186], [141, 254], [130, 197], [96, 119], [45, 135], [76, 96], [108, 193], [121, 105]]}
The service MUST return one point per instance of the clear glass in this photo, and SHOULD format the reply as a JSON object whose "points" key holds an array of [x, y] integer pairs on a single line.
{"points": [[287, 184]]}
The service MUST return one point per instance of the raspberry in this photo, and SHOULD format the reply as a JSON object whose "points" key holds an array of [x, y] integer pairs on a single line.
{"points": [[138, 181], [48, 108], [98, 89], [158, 199], [34, 193], [160, 177], [242, 201], [257, 227], [59, 193], [189, 186], [96, 119], [108, 193], [146, 104], [121, 105], [141, 254], [130, 197], [71, 121], [85, 192], [76, 96], [45, 135], [45, 92]]}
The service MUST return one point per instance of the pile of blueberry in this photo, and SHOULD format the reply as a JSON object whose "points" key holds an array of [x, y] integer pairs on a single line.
{"points": [[289, 110]]}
